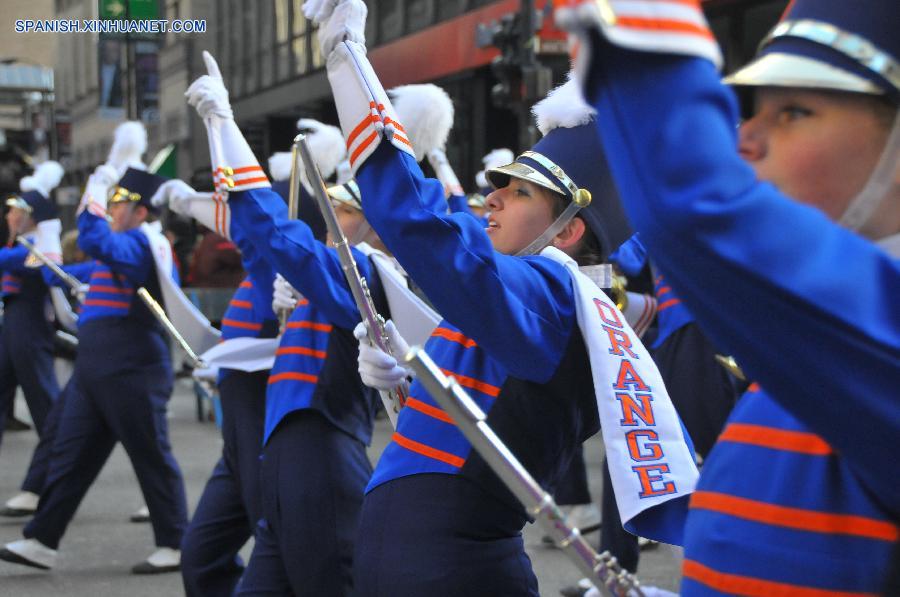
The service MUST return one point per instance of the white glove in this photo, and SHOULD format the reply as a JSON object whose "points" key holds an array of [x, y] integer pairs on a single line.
{"points": [[97, 188], [284, 296], [81, 292], [338, 20], [47, 240], [378, 369], [106, 175], [208, 94], [173, 192]]}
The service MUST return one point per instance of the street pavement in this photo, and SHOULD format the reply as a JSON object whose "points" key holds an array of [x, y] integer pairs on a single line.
{"points": [[101, 545]]}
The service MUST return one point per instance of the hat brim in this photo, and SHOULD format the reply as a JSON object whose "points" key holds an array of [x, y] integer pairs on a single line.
{"points": [[778, 69], [340, 194], [500, 176], [19, 203]]}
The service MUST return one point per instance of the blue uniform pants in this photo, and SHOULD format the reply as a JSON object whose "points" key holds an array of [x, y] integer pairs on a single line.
{"points": [[127, 406], [572, 488], [437, 535], [40, 458], [26, 359], [230, 505], [313, 479]]}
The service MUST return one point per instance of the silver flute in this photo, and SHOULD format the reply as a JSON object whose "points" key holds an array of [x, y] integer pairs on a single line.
{"points": [[161, 316], [293, 211], [603, 570], [395, 398], [70, 280]]}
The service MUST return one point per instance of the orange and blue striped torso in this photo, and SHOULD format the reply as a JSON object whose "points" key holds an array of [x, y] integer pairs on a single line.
{"points": [[244, 317], [778, 512], [426, 439], [109, 295], [298, 364]]}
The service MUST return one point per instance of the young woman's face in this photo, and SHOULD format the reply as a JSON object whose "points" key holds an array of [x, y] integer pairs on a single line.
{"points": [[519, 213], [817, 147], [349, 219]]}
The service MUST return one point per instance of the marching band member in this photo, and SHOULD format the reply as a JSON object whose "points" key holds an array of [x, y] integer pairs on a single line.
{"points": [[761, 220], [435, 519], [26, 341], [318, 414], [229, 508], [123, 371]]}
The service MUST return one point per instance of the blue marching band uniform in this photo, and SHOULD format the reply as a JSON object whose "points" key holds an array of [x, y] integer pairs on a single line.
{"points": [[802, 471], [799, 473]]}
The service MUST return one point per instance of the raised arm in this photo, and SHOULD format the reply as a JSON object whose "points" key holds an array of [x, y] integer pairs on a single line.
{"points": [[127, 252], [770, 280], [451, 258], [260, 217]]}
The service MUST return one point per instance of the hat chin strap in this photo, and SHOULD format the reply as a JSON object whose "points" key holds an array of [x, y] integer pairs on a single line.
{"points": [[555, 228], [861, 208], [361, 233]]}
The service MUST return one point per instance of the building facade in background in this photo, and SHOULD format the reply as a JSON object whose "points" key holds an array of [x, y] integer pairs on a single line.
{"points": [[272, 67]]}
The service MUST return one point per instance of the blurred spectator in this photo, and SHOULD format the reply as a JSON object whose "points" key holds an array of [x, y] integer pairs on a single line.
{"points": [[215, 263], [71, 253]]}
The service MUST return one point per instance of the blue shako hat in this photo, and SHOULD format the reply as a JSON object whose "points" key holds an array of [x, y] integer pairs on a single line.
{"points": [[843, 45], [137, 186], [34, 197], [570, 161], [40, 208]]}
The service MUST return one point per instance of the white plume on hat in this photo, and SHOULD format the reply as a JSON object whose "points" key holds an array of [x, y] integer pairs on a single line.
{"points": [[426, 113], [280, 165], [564, 107], [129, 144], [494, 159], [326, 143], [46, 177]]}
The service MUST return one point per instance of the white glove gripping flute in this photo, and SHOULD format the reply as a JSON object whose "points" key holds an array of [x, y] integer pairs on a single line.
{"points": [[234, 167], [444, 172]]}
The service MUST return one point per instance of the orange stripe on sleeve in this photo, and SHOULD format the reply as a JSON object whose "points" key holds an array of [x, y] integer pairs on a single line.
{"points": [[452, 336], [666, 304], [360, 128], [427, 409], [778, 439], [670, 25], [106, 303], [309, 325], [293, 376], [795, 518], [414, 446], [241, 304], [301, 350], [110, 289], [362, 146], [737, 584], [244, 325], [475, 384]]}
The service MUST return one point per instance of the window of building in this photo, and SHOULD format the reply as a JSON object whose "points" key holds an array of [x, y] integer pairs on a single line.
{"points": [[282, 39]]}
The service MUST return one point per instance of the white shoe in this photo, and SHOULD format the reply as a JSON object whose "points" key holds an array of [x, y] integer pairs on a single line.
{"points": [[23, 503], [140, 515], [29, 552], [164, 559], [584, 516]]}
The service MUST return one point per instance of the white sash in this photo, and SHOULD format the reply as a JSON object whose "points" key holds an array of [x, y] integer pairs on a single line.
{"points": [[187, 319], [241, 354], [650, 459]]}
